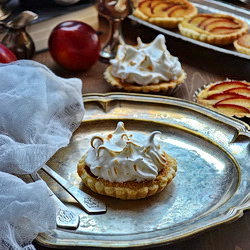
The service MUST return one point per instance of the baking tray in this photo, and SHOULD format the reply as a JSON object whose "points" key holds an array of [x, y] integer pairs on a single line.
{"points": [[205, 6], [211, 186]]}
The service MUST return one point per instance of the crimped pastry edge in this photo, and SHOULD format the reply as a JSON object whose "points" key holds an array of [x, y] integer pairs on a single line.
{"points": [[168, 87], [193, 32], [128, 190]]}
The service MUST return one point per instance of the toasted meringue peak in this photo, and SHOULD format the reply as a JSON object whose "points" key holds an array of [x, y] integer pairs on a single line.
{"points": [[119, 157], [146, 63]]}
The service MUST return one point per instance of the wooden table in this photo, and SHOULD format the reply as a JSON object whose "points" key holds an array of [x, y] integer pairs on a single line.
{"points": [[202, 66]]}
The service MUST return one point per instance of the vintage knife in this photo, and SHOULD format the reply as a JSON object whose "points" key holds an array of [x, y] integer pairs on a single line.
{"points": [[89, 203], [64, 217]]}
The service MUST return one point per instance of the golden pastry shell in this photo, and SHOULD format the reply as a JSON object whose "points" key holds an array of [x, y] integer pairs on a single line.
{"points": [[166, 87], [130, 190]]}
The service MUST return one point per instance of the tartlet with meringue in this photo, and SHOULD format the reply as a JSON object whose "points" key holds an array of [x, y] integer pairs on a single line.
{"points": [[145, 68], [121, 166]]}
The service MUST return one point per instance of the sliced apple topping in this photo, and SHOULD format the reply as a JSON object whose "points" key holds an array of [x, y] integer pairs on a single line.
{"points": [[222, 23], [207, 21], [161, 9], [223, 95], [240, 101], [145, 7], [225, 85], [197, 20], [233, 109], [239, 91], [223, 30]]}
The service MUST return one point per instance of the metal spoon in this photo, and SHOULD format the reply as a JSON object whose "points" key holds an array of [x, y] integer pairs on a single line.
{"points": [[89, 203]]}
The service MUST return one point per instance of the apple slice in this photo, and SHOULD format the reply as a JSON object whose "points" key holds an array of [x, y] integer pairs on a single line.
{"points": [[222, 96], [241, 91], [197, 20], [225, 23], [232, 109], [145, 7], [161, 9], [180, 12], [153, 4], [225, 85], [156, 2], [207, 21], [241, 101], [173, 11], [223, 30]]}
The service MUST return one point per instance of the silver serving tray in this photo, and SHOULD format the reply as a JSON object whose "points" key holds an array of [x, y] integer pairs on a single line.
{"points": [[206, 6], [211, 186]]}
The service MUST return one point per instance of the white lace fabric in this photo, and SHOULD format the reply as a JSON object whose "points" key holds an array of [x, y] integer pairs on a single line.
{"points": [[39, 111]]}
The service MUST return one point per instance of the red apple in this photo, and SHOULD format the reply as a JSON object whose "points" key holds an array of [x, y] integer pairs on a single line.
{"points": [[6, 55], [74, 45]]}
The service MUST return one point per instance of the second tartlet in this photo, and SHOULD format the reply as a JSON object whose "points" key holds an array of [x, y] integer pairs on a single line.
{"points": [[145, 68]]}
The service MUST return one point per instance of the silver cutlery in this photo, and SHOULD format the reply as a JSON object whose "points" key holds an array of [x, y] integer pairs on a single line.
{"points": [[65, 218], [88, 203]]}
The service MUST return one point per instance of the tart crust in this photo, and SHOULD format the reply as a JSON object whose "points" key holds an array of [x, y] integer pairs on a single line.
{"points": [[129, 190], [163, 86], [242, 44], [218, 29], [223, 100], [146, 10]]}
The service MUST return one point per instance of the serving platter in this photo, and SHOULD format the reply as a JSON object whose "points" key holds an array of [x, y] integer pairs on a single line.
{"points": [[206, 6], [211, 186]]}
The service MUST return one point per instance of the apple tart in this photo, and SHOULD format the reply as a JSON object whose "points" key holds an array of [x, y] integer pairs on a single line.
{"points": [[165, 13], [229, 97], [218, 29], [145, 68], [242, 44], [120, 166]]}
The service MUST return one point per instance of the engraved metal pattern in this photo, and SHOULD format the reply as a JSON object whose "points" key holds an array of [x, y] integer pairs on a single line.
{"points": [[66, 219]]}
